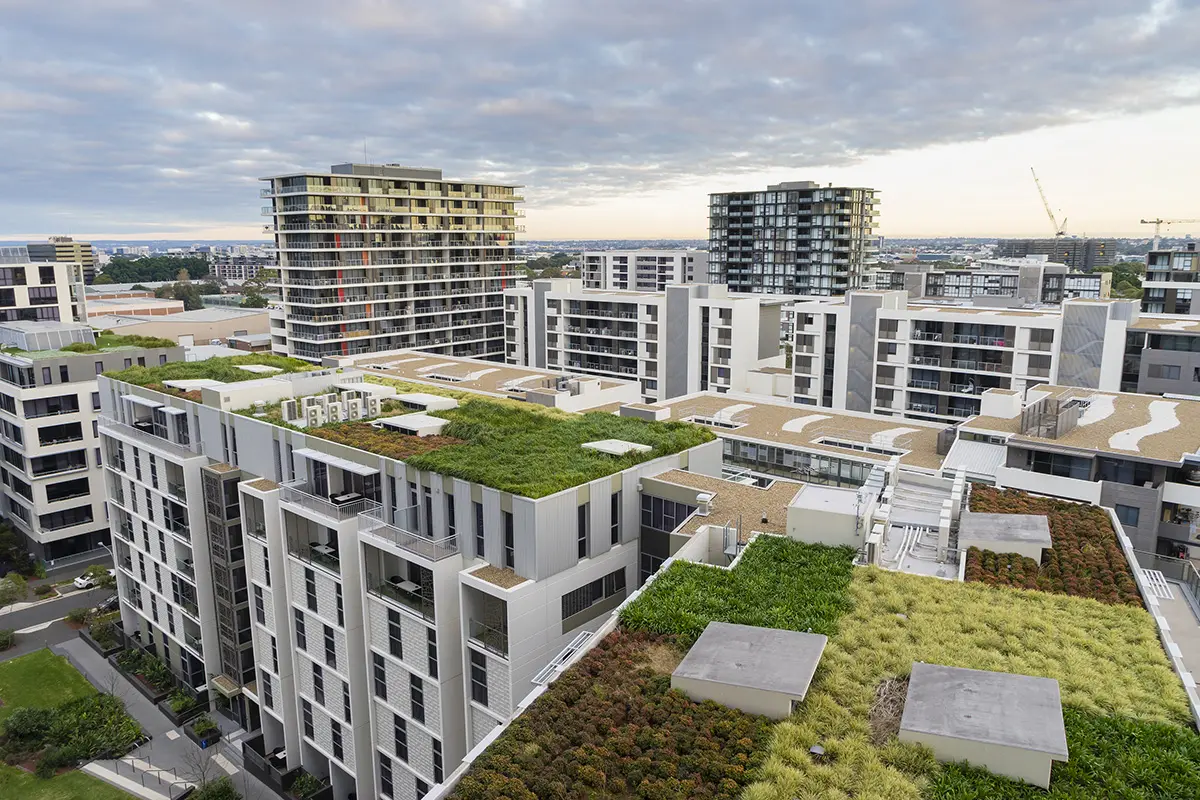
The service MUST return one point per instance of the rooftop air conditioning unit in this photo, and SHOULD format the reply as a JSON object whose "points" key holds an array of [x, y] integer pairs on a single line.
{"points": [[289, 410], [353, 409], [704, 504], [334, 412], [374, 406], [314, 416]]}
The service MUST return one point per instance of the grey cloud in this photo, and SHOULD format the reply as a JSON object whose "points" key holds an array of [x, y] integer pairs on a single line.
{"points": [[136, 115]]}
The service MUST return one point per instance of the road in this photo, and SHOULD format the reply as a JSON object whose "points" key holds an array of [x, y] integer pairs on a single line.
{"points": [[53, 609]]}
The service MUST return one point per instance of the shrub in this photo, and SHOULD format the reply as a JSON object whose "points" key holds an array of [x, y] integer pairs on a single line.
{"points": [[203, 725], [29, 724], [1085, 560], [181, 702], [153, 672], [220, 789], [55, 758], [612, 727], [779, 583], [43, 590], [104, 634], [305, 786], [79, 616], [94, 727], [8, 637]]}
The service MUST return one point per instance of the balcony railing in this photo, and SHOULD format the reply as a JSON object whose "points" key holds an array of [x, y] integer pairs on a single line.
{"points": [[301, 494], [392, 589], [916, 383], [316, 553], [119, 429], [926, 361], [371, 521], [491, 639]]}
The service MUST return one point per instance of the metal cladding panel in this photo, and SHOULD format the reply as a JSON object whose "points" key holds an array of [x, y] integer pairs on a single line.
{"points": [[1083, 329], [860, 358]]}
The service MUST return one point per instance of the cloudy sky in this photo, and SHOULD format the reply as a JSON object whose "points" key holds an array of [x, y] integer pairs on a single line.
{"points": [[137, 118]]}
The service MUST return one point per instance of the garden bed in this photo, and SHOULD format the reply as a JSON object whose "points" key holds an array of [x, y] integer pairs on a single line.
{"points": [[1085, 560], [179, 707], [97, 646], [145, 671], [610, 727], [203, 731]]}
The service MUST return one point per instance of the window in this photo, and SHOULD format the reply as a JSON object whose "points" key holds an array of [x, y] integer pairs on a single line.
{"points": [[301, 637], [64, 375], [479, 681], [431, 650], [335, 732], [479, 548], [438, 774], [379, 674], [422, 788], [1127, 514], [330, 649], [260, 610], [162, 359], [46, 376], [265, 682], [417, 696], [318, 683], [615, 518], [581, 529], [128, 363], [346, 702], [385, 777], [306, 707], [95, 401], [395, 643], [1168, 372], [450, 515], [99, 367], [310, 589], [274, 656], [266, 567], [583, 598], [1062, 465], [400, 734], [141, 361], [510, 552], [341, 610]]}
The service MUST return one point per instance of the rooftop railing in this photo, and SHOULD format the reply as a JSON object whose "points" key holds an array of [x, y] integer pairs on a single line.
{"points": [[301, 494], [372, 521]]}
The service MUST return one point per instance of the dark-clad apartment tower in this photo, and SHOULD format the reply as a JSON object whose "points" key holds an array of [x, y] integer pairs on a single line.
{"points": [[64, 249], [794, 238], [1081, 255]]}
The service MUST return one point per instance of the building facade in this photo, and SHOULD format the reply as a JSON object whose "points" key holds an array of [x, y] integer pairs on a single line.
{"points": [[1081, 255], [371, 620], [688, 338], [53, 482], [39, 291], [240, 267], [66, 250], [1032, 279], [793, 238], [642, 270], [376, 258], [1170, 274]]}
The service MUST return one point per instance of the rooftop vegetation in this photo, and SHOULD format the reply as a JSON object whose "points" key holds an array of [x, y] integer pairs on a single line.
{"points": [[106, 341], [364, 436], [217, 369], [1085, 560], [611, 727], [779, 583]]}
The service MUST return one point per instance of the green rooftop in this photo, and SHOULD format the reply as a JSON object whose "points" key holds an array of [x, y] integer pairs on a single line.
{"points": [[216, 369], [106, 342]]}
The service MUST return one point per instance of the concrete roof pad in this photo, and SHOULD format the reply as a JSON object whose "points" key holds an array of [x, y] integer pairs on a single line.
{"points": [[1031, 528], [767, 659], [616, 447], [999, 708]]}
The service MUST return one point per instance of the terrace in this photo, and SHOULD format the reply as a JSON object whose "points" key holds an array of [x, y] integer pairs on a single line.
{"points": [[1126, 715], [224, 370], [105, 343]]}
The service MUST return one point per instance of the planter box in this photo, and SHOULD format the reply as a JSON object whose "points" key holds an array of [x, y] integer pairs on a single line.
{"points": [[99, 648], [204, 741], [178, 719], [149, 692]]}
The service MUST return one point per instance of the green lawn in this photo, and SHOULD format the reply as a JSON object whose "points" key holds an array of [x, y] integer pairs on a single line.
{"points": [[18, 785], [40, 679]]}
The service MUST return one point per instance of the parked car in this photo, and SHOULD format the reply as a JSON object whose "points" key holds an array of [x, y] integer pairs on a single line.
{"points": [[108, 604], [87, 581]]}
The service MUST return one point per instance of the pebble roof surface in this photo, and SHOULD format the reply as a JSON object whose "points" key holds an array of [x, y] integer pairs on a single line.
{"points": [[736, 502]]}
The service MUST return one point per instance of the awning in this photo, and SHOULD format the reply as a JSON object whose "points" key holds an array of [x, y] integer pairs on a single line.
{"points": [[143, 401], [334, 461]]}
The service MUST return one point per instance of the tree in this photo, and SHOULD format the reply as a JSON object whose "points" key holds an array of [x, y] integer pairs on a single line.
{"points": [[253, 288], [254, 301], [155, 268], [102, 279], [13, 589], [182, 276], [100, 577], [1126, 278]]}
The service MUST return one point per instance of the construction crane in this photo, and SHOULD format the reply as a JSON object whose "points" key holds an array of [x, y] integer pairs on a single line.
{"points": [[1158, 223], [1059, 230]]}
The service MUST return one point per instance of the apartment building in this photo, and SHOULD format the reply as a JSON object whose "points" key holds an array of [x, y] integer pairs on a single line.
{"points": [[365, 620], [1170, 274], [685, 339], [1081, 255], [33, 290], [794, 238], [878, 352], [65, 250], [52, 480], [240, 267], [642, 270], [1033, 279], [382, 257]]}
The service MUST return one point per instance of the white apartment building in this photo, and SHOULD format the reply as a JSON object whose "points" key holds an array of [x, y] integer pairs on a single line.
{"points": [[40, 291], [367, 621], [877, 352], [685, 339], [1033, 279], [52, 480], [642, 270], [1170, 277], [382, 257]]}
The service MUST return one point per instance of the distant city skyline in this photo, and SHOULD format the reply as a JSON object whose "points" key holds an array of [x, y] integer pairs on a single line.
{"points": [[619, 119]]}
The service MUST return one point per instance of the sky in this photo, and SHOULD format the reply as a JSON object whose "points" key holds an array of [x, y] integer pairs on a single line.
{"points": [[154, 120]]}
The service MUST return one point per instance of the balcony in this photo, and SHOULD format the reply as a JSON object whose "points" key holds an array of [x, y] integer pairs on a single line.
{"points": [[186, 569], [323, 554], [926, 361], [915, 383], [179, 528], [372, 522], [492, 640], [301, 494], [122, 431], [405, 593]]}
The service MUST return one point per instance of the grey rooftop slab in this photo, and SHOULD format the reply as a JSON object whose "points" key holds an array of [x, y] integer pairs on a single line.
{"points": [[999, 708], [758, 658], [1031, 528]]}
